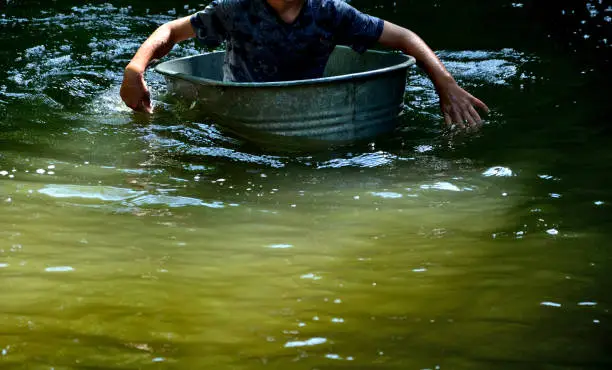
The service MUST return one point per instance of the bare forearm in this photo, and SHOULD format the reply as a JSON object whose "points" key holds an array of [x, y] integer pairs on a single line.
{"points": [[161, 42], [427, 59], [156, 46], [410, 43]]}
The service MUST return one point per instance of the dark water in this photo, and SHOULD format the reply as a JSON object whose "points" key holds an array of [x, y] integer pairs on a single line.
{"points": [[129, 242]]}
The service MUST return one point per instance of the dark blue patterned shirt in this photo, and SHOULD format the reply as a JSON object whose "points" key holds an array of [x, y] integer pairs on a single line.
{"points": [[261, 47]]}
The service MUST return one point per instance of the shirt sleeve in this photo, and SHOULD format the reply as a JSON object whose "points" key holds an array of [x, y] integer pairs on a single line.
{"points": [[209, 26], [353, 28]]}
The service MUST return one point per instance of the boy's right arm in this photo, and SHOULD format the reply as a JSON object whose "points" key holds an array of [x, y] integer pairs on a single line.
{"points": [[134, 90]]}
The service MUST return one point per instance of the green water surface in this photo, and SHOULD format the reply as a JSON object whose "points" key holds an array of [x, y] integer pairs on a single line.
{"points": [[161, 242]]}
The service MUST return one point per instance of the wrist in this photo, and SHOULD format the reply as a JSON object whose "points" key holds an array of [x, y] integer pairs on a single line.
{"points": [[134, 69], [443, 80]]}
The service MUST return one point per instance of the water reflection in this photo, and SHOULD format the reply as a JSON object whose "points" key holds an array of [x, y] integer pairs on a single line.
{"points": [[90, 192]]}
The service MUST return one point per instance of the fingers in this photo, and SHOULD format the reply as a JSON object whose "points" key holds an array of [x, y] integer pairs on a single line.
{"points": [[142, 104], [466, 118], [146, 102], [459, 108], [470, 120], [478, 103], [474, 114], [128, 98], [447, 119], [457, 119], [135, 94]]}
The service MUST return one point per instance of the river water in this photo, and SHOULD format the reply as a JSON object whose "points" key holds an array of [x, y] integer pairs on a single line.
{"points": [[129, 242]]}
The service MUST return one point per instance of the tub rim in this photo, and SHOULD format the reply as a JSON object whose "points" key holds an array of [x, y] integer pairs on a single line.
{"points": [[409, 61]]}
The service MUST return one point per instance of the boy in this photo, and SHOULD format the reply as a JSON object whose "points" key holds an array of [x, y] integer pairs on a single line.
{"points": [[275, 40]]}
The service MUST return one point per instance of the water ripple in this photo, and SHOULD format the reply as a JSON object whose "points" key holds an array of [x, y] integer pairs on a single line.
{"points": [[366, 160], [172, 201], [104, 193], [443, 185], [128, 197]]}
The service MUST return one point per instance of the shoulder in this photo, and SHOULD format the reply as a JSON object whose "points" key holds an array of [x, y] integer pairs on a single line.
{"points": [[331, 4], [225, 12], [235, 3], [331, 9], [229, 6]]}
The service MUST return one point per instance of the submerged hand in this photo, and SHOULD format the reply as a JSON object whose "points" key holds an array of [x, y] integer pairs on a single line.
{"points": [[459, 106], [134, 91]]}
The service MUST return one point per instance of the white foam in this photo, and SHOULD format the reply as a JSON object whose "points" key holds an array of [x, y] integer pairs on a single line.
{"points": [[306, 343], [498, 171], [386, 194], [280, 246], [59, 269], [443, 185]]}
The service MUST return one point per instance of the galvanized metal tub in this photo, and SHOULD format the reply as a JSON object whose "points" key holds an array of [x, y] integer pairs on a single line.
{"points": [[359, 97]]}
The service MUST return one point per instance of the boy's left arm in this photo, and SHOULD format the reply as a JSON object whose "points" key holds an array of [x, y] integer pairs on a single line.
{"points": [[458, 106]]}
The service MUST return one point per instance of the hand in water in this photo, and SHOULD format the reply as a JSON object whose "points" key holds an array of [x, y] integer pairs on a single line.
{"points": [[134, 91], [459, 106]]}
